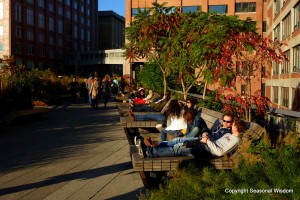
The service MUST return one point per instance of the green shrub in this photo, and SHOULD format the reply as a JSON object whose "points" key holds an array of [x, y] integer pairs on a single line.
{"points": [[276, 169]]}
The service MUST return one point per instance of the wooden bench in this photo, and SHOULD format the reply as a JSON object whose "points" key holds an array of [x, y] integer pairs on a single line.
{"points": [[213, 120], [126, 122]]}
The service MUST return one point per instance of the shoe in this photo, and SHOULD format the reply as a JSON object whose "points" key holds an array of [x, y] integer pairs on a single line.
{"points": [[138, 144]]}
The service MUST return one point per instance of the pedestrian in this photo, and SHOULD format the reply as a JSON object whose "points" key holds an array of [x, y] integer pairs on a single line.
{"points": [[106, 82], [94, 91], [74, 87]]}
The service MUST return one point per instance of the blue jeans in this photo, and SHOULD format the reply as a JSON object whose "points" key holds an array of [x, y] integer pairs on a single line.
{"points": [[176, 141], [200, 151], [194, 132], [164, 133], [147, 117]]}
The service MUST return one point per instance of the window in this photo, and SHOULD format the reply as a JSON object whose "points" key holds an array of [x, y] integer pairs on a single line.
{"points": [[51, 24], [19, 61], [60, 11], [30, 64], [243, 89], [41, 38], [18, 13], [275, 94], [286, 64], [134, 11], [30, 35], [285, 96], [68, 2], [219, 9], [60, 42], [191, 9], [286, 26], [51, 53], [41, 65], [82, 9], [88, 35], [82, 37], [75, 17], [263, 89], [238, 67], [276, 7], [296, 64], [68, 14], [41, 20], [30, 16], [264, 26], [75, 31], [297, 16], [277, 33], [60, 26], [244, 68], [51, 7], [51, 40], [263, 71], [245, 7], [19, 32], [275, 66], [41, 3], [19, 49], [30, 1], [1, 10], [42, 52], [75, 5], [30, 50]]}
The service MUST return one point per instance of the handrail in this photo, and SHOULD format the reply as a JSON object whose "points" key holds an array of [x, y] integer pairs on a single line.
{"points": [[271, 111]]}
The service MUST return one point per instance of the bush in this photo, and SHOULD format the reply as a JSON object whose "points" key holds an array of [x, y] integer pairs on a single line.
{"points": [[273, 175]]}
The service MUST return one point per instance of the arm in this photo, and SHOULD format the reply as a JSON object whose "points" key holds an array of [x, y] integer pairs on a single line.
{"points": [[223, 145]]}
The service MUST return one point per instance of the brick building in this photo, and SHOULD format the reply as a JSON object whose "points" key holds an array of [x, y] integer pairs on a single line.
{"points": [[39, 33], [285, 15]]}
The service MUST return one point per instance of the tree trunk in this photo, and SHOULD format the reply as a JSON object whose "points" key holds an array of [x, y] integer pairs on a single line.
{"points": [[165, 84], [204, 91]]}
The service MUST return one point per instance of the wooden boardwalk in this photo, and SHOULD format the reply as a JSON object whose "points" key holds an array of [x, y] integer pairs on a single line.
{"points": [[70, 153]]}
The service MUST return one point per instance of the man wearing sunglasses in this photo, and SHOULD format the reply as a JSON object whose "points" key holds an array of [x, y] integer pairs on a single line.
{"points": [[228, 119]]}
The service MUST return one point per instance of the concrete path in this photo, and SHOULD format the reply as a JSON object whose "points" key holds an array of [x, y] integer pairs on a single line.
{"points": [[70, 153]]}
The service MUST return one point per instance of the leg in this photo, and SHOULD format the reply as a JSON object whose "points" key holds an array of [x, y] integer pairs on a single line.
{"points": [[194, 132]]}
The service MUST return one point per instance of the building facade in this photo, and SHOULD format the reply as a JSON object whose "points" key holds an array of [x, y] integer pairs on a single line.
{"points": [[39, 33], [283, 20], [110, 30], [267, 13]]}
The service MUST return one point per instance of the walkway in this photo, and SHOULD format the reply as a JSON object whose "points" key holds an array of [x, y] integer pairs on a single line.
{"points": [[71, 153]]}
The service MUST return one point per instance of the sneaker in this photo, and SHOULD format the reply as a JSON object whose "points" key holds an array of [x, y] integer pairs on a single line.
{"points": [[138, 144]]}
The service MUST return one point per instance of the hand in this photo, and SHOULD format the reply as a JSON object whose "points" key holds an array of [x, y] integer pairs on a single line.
{"points": [[204, 139]]}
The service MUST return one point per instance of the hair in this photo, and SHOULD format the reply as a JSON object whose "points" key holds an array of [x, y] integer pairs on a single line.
{"points": [[240, 125], [189, 116], [229, 115], [174, 108], [193, 101]]}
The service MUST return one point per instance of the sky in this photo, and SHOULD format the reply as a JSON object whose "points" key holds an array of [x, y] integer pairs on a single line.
{"points": [[118, 6]]}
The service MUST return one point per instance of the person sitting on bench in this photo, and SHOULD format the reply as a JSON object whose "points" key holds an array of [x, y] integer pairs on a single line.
{"points": [[206, 148], [173, 110]]}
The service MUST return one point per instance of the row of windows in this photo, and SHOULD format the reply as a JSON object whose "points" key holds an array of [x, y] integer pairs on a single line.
{"points": [[285, 27], [286, 65], [30, 34], [30, 16], [41, 3], [31, 50], [220, 9], [284, 97]]}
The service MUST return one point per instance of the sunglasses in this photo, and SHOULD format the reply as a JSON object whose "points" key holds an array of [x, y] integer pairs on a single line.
{"points": [[227, 121]]}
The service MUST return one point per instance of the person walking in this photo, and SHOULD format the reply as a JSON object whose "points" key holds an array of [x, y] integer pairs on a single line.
{"points": [[106, 82], [94, 91], [74, 87]]}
